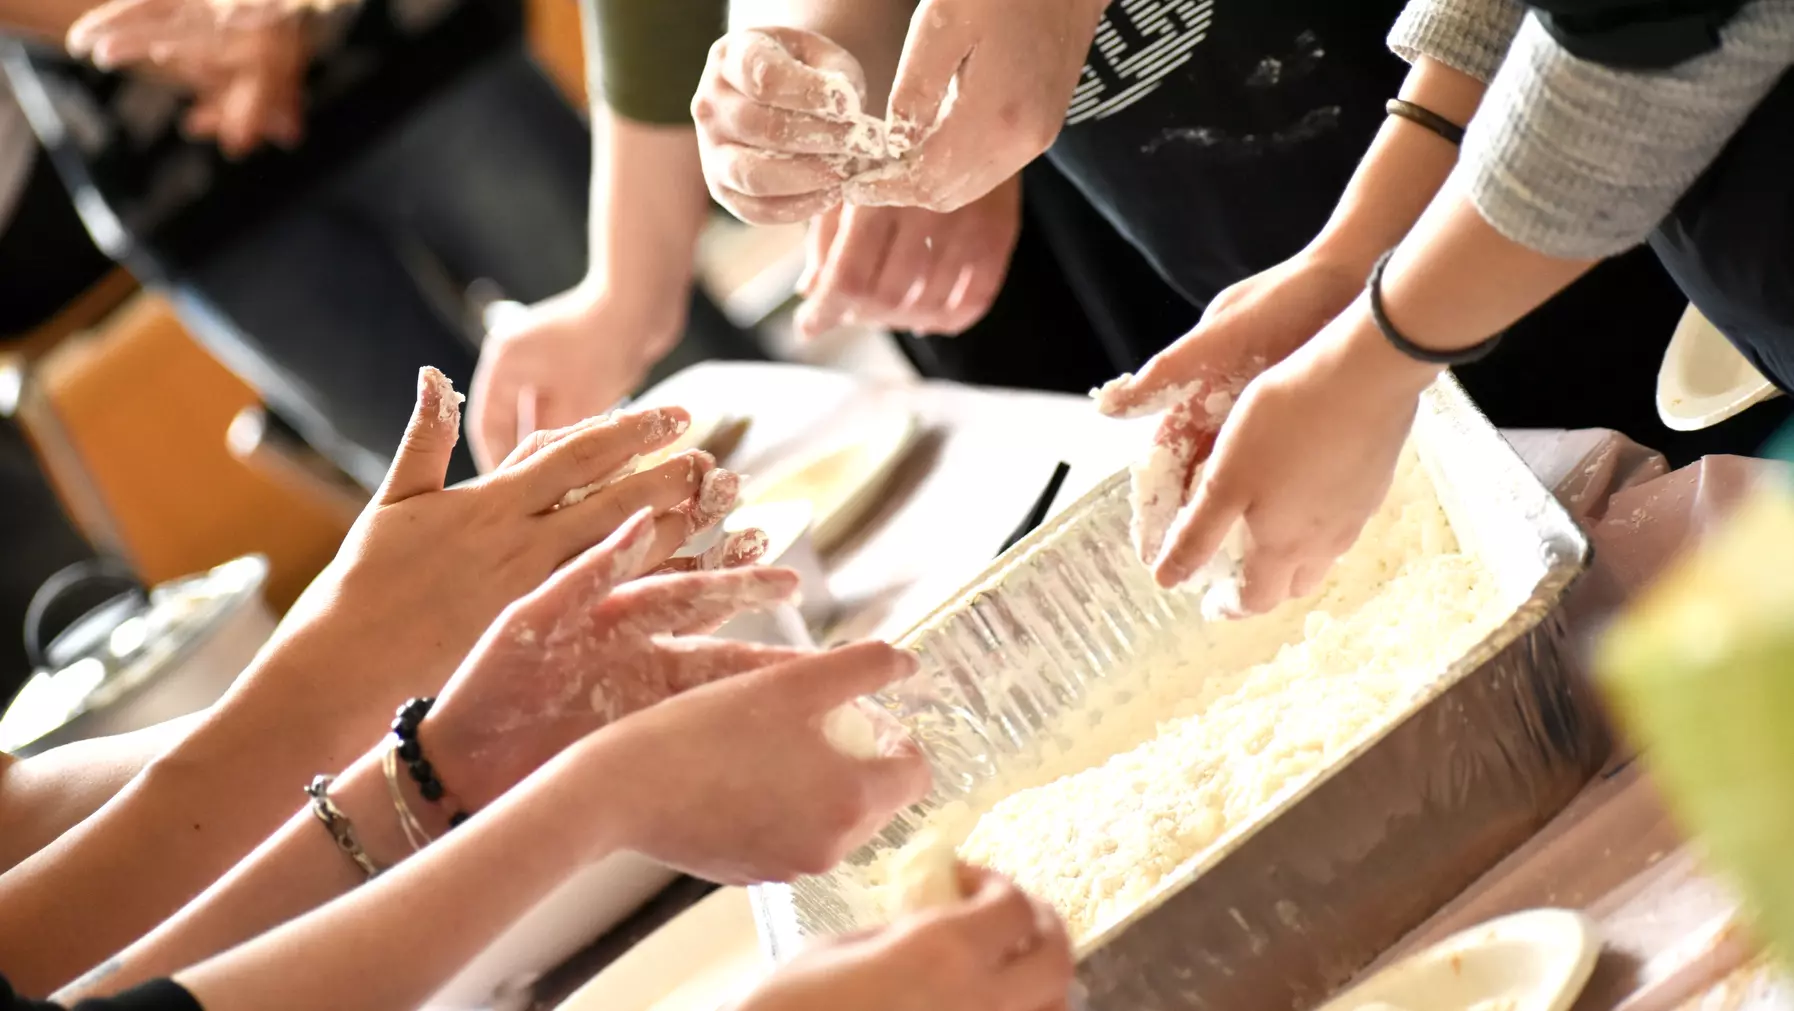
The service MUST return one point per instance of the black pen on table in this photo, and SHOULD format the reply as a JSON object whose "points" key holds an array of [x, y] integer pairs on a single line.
{"points": [[1042, 505]]}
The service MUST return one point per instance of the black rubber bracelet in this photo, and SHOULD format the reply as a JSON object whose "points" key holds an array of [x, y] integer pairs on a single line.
{"points": [[411, 752], [1420, 115], [1459, 356]]}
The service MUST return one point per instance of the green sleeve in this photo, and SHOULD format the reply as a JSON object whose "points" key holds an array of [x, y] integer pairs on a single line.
{"points": [[651, 54]]}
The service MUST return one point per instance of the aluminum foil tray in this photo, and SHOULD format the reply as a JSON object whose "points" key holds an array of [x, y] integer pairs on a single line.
{"points": [[1284, 911]]}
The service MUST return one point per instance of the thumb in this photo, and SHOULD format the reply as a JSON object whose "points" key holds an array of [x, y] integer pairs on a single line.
{"points": [[492, 408], [422, 462], [932, 56]]}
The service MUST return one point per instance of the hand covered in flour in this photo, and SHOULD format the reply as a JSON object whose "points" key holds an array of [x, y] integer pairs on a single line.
{"points": [[981, 91], [739, 781], [781, 124], [1246, 328], [997, 950], [905, 268], [1302, 462], [425, 569], [587, 648]]}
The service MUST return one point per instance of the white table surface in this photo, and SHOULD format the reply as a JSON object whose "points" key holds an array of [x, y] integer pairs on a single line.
{"points": [[984, 458]]}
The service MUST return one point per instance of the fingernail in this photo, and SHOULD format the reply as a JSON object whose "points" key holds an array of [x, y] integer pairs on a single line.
{"points": [[448, 402], [660, 423], [745, 547], [718, 492], [700, 463]]}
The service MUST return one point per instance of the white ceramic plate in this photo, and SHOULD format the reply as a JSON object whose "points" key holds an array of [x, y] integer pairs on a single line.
{"points": [[1532, 961], [703, 959], [843, 480], [1704, 380]]}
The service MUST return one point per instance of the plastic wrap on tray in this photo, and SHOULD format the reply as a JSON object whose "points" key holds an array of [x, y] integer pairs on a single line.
{"points": [[1283, 910]]}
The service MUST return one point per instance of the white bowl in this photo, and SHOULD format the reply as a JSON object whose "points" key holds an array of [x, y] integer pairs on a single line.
{"points": [[1704, 379], [1532, 961]]}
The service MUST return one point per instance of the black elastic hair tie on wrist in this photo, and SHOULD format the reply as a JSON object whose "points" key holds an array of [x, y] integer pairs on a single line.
{"points": [[1422, 116], [1459, 356], [411, 752]]}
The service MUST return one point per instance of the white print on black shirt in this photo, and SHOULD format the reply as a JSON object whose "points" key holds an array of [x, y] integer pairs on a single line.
{"points": [[1138, 44]]}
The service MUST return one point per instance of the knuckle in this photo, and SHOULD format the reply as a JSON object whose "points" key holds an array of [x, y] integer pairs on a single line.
{"points": [[843, 814], [758, 78], [855, 285], [815, 860], [1040, 131], [1012, 903], [585, 450]]}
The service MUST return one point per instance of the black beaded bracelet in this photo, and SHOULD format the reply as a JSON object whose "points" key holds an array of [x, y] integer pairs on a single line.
{"points": [[1422, 116], [411, 751], [1458, 356]]}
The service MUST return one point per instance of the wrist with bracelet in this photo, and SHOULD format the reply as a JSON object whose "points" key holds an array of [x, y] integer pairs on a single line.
{"points": [[410, 751], [1373, 290], [403, 748]]}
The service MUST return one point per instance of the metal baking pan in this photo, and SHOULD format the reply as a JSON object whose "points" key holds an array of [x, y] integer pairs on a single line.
{"points": [[1282, 912]]}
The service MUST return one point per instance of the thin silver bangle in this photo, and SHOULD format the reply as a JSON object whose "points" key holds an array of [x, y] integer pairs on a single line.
{"points": [[338, 825], [414, 829]]}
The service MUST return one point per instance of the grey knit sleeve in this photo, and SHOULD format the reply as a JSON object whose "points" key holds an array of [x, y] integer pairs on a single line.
{"points": [[1581, 161], [1466, 35]]}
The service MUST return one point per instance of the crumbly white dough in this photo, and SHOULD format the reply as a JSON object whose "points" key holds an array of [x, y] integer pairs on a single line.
{"points": [[448, 402], [1202, 738]]}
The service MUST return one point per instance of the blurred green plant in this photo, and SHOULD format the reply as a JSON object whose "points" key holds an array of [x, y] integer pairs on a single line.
{"points": [[1701, 669]]}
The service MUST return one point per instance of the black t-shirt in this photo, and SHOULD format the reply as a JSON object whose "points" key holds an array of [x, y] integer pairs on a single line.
{"points": [[1217, 135], [117, 137], [156, 995]]}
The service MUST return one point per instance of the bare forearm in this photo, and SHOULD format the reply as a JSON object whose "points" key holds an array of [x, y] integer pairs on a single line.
{"points": [[45, 796], [394, 941], [872, 30], [296, 870], [1405, 166], [649, 205], [1455, 280], [185, 820]]}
